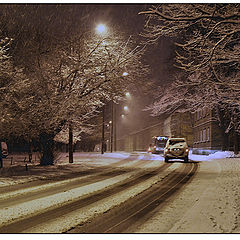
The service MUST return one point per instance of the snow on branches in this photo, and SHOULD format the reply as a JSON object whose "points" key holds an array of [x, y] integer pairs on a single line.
{"points": [[207, 50]]}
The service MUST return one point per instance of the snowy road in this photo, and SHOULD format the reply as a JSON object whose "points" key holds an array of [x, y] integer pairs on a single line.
{"points": [[60, 204], [125, 193]]}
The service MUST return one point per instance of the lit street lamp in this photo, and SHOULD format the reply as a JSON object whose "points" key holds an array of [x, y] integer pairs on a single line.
{"points": [[101, 29], [127, 94]]}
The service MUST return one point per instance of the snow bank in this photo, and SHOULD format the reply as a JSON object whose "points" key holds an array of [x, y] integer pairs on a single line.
{"points": [[216, 155]]}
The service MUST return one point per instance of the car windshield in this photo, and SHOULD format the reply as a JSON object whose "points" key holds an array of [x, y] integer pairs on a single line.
{"points": [[173, 142], [160, 142]]}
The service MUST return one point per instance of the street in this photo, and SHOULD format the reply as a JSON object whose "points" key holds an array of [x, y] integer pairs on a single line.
{"points": [[122, 194]]}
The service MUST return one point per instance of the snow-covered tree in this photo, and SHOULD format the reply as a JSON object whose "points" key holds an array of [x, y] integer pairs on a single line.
{"points": [[68, 79], [207, 50]]}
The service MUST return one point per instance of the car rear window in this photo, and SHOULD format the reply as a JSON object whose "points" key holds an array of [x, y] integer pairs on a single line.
{"points": [[172, 142]]}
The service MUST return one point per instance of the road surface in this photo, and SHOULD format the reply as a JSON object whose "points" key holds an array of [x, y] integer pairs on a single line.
{"points": [[117, 197]]}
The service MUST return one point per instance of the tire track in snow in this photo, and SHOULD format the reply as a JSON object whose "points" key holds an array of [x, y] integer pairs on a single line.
{"points": [[12, 197], [75, 193]]}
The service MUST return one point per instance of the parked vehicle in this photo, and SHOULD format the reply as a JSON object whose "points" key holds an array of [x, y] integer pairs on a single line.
{"points": [[176, 148]]}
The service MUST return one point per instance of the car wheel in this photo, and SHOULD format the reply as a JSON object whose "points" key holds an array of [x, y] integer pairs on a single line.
{"points": [[186, 159], [166, 159]]}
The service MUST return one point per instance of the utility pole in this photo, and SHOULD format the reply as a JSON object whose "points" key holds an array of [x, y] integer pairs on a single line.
{"points": [[111, 128], [114, 128], [103, 122]]}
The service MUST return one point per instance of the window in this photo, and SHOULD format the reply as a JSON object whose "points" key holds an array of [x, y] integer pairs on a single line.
{"points": [[200, 136], [204, 135], [204, 112], [208, 134]]}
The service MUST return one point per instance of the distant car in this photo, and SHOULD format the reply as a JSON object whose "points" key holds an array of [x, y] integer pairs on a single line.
{"points": [[176, 148], [159, 143]]}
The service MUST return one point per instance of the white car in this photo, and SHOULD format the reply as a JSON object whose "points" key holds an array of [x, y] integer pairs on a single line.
{"points": [[176, 148]]}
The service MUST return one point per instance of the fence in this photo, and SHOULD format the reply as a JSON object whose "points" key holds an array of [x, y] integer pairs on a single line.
{"points": [[20, 159]]}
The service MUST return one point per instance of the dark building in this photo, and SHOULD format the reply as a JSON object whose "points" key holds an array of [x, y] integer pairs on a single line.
{"points": [[208, 136]]}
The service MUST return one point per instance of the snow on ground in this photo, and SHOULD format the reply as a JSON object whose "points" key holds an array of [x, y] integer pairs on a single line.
{"points": [[210, 204], [17, 173], [217, 210], [40, 204], [216, 155], [62, 224]]}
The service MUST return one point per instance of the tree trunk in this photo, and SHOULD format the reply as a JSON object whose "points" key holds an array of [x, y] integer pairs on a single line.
{"points": [[235, 143], [47, 148], [70, 143], [225, 140]]}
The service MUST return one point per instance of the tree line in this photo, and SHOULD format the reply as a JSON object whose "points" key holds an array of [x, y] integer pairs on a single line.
{"points": [[206, 38], [56, 72]]}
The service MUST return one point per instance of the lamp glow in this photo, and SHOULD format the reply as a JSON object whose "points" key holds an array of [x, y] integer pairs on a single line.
{"points": [[101, 28]]}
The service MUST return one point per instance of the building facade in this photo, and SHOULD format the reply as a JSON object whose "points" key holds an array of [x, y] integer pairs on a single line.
{"points": [[206, 132], [200, 129], [208, 136]]}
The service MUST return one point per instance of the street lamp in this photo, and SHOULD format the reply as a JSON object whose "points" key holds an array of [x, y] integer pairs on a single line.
{"points": [[127, 94], [111, 135], [101, 29]]}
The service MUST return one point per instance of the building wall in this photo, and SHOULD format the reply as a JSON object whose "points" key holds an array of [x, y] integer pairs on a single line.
{"points": [[201, 131], [167, 127], [182, 126], [207, 134]]}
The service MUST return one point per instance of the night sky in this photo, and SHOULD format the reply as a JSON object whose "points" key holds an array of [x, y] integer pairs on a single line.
{"points": [[125, 18]]}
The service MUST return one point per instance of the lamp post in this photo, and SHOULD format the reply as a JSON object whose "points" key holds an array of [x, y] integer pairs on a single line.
{"points": [[111, 135], [100, 30], [103, 123]]}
